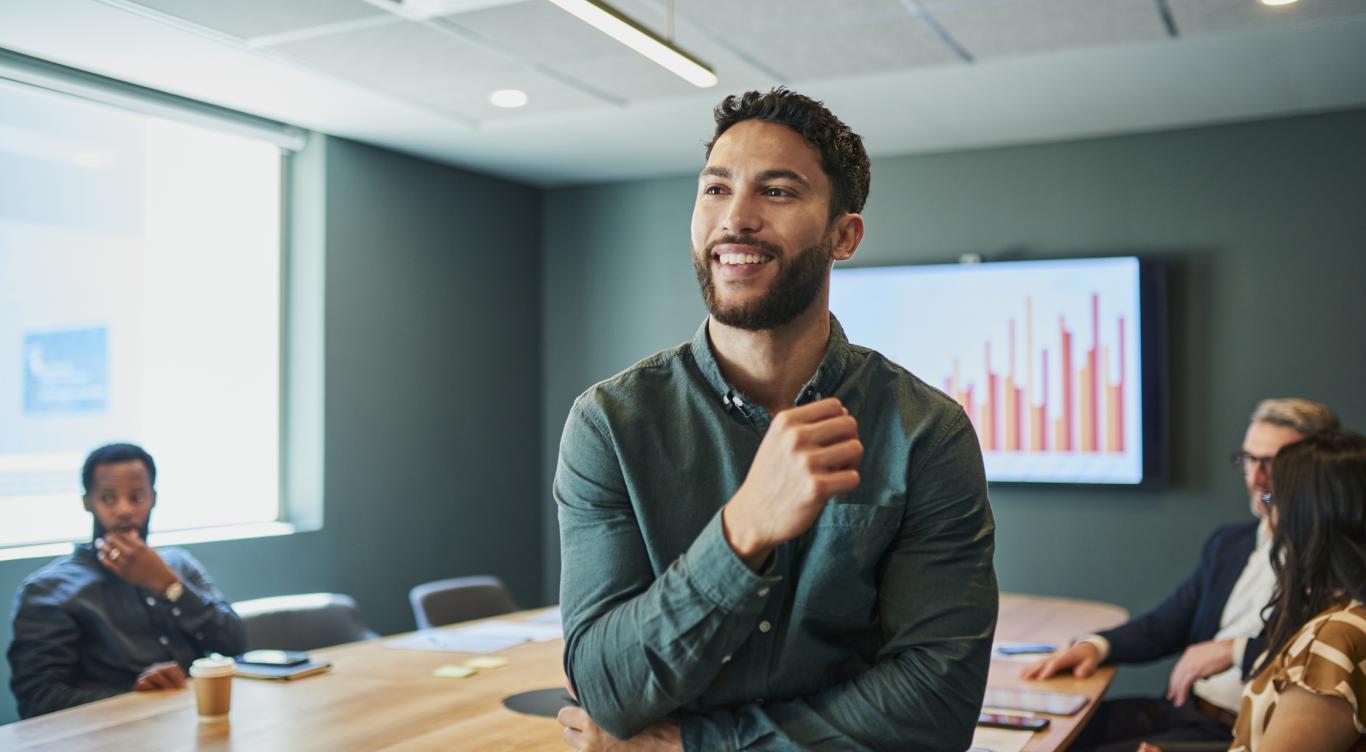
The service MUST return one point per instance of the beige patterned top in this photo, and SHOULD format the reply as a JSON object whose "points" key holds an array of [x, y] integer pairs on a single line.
{"points": [[1327, 657]]}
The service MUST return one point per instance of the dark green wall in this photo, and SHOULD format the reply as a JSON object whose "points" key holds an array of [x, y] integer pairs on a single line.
{"points": [[1262, 225], [432, 405]]}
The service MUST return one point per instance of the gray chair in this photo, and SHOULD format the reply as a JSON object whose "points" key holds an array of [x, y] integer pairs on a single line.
{"points": [[444, 602], [302, 622]]}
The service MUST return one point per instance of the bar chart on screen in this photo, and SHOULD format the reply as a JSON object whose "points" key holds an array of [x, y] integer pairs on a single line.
{"points": [[1044, 357]]}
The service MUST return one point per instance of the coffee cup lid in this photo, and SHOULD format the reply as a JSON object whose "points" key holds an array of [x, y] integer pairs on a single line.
{"points": [[214, 665]]}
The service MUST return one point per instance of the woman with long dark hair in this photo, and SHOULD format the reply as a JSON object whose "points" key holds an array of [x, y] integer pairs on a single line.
{"points": [[1309, 689]]}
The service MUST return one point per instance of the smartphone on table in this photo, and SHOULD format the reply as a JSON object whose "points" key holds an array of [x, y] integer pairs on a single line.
{"points": [[1007, 721], [274, 657]]}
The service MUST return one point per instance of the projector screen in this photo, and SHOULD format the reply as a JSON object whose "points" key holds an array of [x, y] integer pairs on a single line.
{"points": [[1050, 359]]}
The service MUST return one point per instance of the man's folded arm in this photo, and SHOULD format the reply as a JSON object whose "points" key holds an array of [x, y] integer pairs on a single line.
{"points": [[44, 656], [204, 614], [639, 644], [937, 606]]}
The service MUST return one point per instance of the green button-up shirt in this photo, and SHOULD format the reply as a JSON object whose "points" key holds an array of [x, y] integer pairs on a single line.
{"points": [[870, 631]]}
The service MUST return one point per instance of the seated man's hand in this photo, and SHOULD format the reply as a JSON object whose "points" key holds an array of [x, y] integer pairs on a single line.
{"points": [[126, 555], [160, 676], [1081, 658], [1199, 661], [582, 734]]}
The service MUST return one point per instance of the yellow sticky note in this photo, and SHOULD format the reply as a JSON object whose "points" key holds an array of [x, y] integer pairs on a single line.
{"points": [[486, 661], [454, 672]]}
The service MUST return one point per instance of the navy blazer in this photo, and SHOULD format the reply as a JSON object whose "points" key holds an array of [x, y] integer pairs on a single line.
{"points": [[1191, 614]]}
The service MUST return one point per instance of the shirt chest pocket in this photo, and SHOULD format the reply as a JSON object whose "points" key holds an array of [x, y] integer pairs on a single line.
{"points": [[837, 576]]}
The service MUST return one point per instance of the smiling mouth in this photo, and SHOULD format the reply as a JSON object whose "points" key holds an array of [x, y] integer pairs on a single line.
{"points": [[741, 259]]}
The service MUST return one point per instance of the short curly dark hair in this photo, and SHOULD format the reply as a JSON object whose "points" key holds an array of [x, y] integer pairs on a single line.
{"points": [[112, 454], [842, 155]]}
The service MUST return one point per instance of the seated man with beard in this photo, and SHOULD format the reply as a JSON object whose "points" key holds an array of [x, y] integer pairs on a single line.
{"points": [[115, 615]]}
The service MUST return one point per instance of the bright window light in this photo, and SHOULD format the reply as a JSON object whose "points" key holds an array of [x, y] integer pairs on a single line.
{"points": [[139, 301]]}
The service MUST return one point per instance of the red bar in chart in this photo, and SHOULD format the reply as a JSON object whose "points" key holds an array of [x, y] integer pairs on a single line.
{"points": [[1013, 417]]}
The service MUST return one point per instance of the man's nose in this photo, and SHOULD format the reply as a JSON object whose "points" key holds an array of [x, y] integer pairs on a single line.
{"points": [[742, 215]]}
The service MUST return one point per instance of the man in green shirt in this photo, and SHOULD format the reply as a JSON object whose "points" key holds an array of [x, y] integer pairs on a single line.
{"points": [[771, 538]]}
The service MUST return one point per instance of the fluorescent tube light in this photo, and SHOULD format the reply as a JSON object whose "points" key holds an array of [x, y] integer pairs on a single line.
{"points": [[617, 26]]}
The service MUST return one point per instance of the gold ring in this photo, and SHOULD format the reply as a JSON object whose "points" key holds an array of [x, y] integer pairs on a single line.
{"points": [[114, 554]]}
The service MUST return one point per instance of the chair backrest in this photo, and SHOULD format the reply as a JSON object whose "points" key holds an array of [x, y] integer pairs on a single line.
{"points": [[302, 622], [444, 602]]}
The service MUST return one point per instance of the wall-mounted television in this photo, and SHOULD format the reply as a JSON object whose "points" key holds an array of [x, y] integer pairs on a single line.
{"points": [[1059, 364]]}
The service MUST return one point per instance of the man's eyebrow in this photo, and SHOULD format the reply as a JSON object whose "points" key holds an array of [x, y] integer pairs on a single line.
{"points": [[768, 175], [763, 177]]}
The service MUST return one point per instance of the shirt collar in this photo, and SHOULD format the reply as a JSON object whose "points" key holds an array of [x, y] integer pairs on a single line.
{"points": [[1263, 534], [822, 383]]}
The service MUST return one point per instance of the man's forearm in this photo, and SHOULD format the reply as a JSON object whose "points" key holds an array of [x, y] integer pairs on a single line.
{"points": [[900, 703], [47, 696], [641, 659]]}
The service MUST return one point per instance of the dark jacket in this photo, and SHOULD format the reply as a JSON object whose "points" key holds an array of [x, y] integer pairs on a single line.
{"points": [[1192, 613]]}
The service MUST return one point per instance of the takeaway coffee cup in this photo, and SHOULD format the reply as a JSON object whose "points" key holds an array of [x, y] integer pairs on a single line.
{"points": [[213, 687]]}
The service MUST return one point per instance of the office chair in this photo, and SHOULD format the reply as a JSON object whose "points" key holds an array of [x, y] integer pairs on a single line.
{"points": [[444, 602], [302, 622]]}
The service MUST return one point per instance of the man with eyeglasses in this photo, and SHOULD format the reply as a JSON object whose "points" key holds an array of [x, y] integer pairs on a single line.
{"points": [[1213, 619]]}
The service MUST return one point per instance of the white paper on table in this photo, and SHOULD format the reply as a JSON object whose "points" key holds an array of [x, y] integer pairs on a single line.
{"points": [[455, 642], [485, 637], [527, 630], [999, 740], [547, 617]]}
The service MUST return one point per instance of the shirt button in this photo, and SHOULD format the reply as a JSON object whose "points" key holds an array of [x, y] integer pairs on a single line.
{"points": [[763, 592], [764, 627], [164, 640], [151, 601], [175, 611], [725, 659]]}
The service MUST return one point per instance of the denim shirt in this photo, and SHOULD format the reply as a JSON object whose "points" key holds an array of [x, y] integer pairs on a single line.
{"points": [[870, 631], [81, 633]]}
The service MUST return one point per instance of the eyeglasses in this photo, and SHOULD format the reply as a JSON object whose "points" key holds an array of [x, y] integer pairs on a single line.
{"points": [[1244, 461]]}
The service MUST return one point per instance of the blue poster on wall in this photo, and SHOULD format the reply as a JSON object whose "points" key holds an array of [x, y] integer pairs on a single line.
{"points": [[66, 371]]}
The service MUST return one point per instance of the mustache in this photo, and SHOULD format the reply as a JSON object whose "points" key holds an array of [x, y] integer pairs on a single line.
{"points": [[763, 245]]}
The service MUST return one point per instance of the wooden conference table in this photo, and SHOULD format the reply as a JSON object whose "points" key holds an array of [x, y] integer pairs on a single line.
{"points": [[376, 698]]}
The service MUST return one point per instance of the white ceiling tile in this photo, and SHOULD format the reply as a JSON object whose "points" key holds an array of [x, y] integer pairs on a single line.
{"points": [[767, 16], [1214, 16], [538, 31], [994, 29], [629, 76], [806, 53], [410, 60], [245, 19]]}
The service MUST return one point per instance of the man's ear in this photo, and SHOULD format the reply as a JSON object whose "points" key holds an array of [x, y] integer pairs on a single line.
{"points": [[89, 505], [154, 500], [848, 234]]}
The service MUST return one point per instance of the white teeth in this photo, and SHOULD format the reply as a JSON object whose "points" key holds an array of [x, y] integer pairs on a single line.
{"points": [[742, 258]]}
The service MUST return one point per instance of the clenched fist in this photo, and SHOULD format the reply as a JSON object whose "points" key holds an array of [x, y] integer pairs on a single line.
{"points": [[810, 454]]}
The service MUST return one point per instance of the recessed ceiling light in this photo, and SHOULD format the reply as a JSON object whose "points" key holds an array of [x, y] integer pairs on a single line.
{"points": [[1279, 2], [508, 98]]}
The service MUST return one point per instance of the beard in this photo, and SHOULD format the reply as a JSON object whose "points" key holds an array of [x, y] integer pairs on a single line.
{"points": [[101, 531], [800, 279]]}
